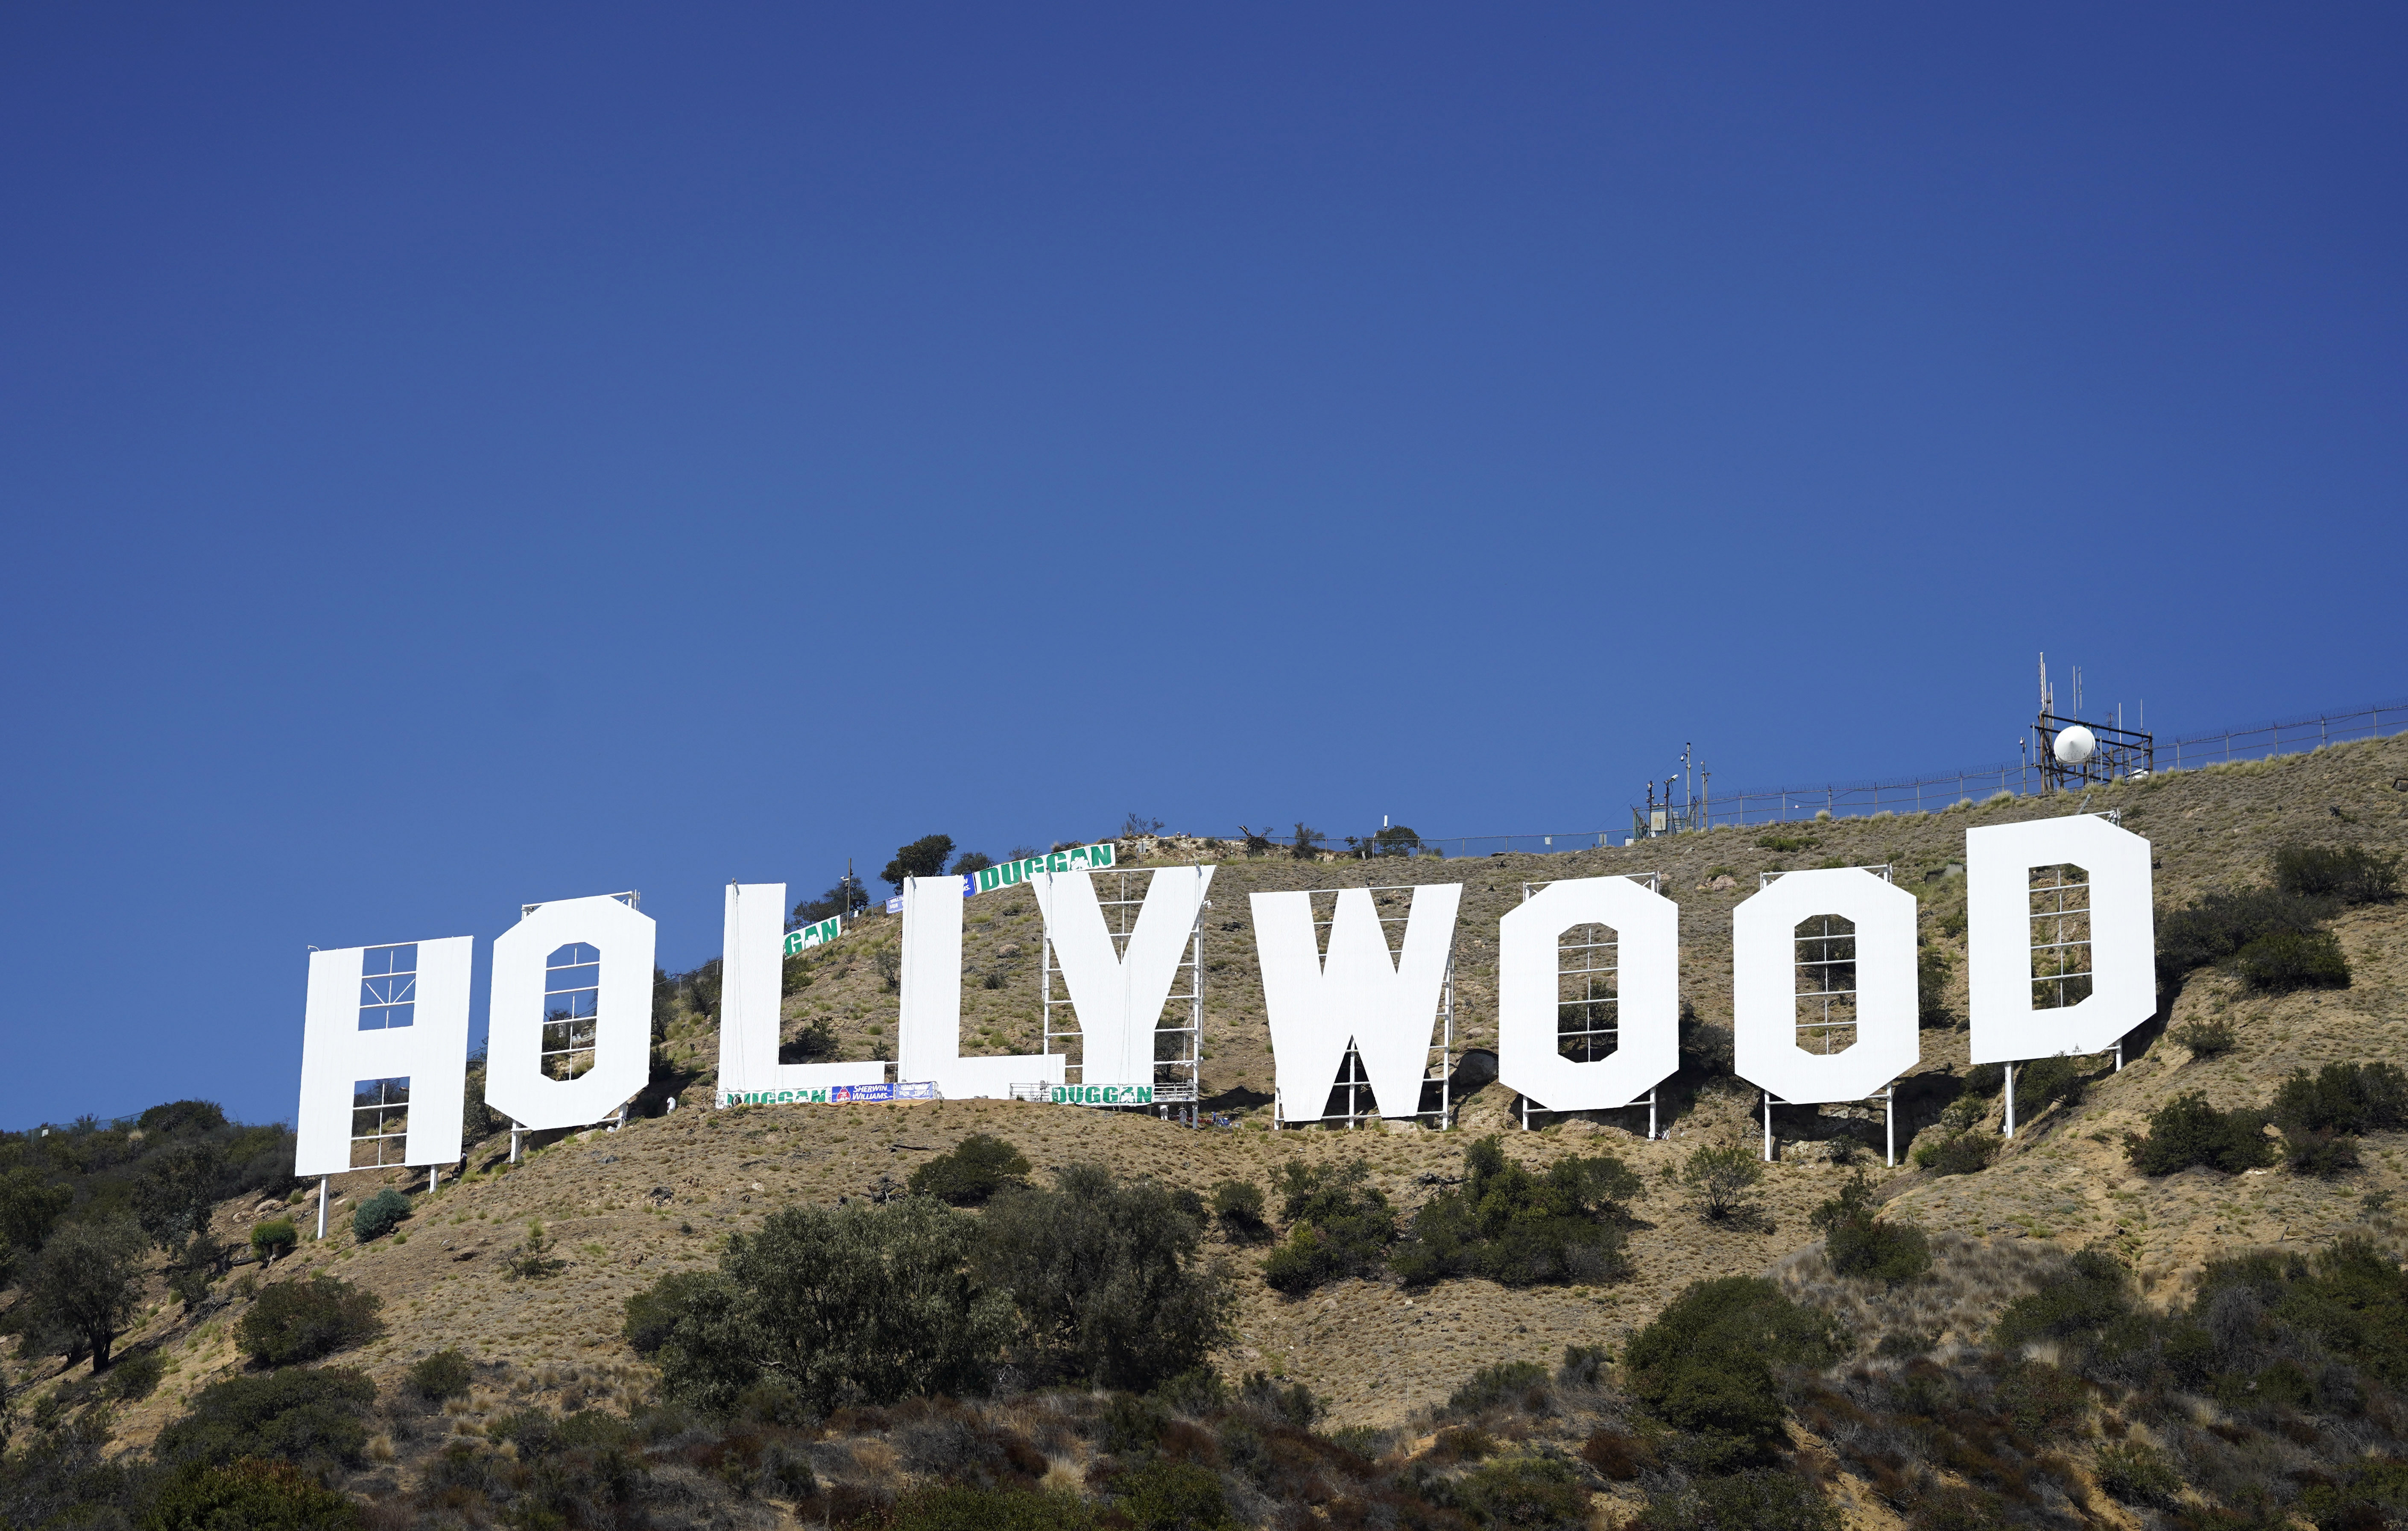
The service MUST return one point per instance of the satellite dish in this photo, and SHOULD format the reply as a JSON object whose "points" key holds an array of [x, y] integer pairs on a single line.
{"points": [[2075, 745]]}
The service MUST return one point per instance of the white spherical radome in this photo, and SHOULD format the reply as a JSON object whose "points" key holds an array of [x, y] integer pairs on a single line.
{"points": [[2075, 745]]}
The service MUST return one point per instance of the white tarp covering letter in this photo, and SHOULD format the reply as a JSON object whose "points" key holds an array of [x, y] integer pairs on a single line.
{"points": [[409, 1022], [1385, 1007], [1647, 978], [2123, 955], [928, 1034], [752, 987], [585, 966], [1764, 985], [1118, 996]]}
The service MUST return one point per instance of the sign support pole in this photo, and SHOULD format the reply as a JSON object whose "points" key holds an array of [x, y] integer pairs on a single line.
{"points": [[2011, 1100], [322, 1204], [1889, 1121]]}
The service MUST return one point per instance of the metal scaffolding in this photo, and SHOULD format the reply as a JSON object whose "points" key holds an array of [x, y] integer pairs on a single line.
{"points": [[1178, 1065]]}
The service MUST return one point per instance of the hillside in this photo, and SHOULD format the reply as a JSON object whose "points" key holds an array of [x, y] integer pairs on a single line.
{"points": [[623, 1208]]}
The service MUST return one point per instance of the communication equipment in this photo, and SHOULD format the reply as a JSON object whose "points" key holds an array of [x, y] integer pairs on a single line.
{"points": [[2074, 744]]}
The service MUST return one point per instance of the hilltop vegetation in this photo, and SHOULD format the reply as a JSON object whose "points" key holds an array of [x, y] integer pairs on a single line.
{"points": [[2173, 1298]]}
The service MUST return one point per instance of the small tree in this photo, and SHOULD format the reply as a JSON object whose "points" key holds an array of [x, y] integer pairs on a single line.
{"points": [[1307, 843], [177, 1192], [87, 1283], [1858, 1244], [1721, 1178], [301, 1321], [924, 858], [446, 1374], [1108, 1277], [276, 1237], [379, 1215], [1239, 1205], [980, 1165]]}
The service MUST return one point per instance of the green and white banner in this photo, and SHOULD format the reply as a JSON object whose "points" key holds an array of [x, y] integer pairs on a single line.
{"points": [[1101, 1095], [1085, 858], [809, 936]]}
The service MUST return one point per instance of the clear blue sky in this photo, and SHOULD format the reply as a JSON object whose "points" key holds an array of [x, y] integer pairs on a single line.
{"points": [[454, 457]]}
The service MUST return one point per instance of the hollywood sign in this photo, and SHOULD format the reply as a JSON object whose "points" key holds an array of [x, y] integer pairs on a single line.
{"points": [[575, 978]]}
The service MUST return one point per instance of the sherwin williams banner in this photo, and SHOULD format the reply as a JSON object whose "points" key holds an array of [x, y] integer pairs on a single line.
{"points": [[834, 1094], [1082, 858]]}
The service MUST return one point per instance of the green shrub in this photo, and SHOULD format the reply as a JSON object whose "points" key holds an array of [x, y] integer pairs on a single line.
{"points": [[1337, 1226], [137, 1376], [864, 1302], [1293, 1402], [2089, 1293], [2206, 1038], [379, 1215], [954, 1507], [1537, 1493], [979, 1166], [1704, 1367], [1721, 1178], [2188, 1131], [446, 1374], [2220, 924], [653, 1312], [2290, 960], [2042, 1082], [2343, 1097], [1522, 1382], [254, 1494], [924, 858], [2138, 1474], [1860, 1244], [2321, 1153], [2350, 873], [86, 1286], [1958, 1153], [1516, 1229], [1759, 1499], [274, 1238], [303, 1320], [1239, 1205], [1165, 1495], [1108, 1279], [315, 1416]]}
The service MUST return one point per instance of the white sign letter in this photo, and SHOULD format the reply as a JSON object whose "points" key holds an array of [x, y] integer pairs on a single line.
{"points": [[570, 1032], [1385, 1008], [2006, 918], [384, 1056], [1645, 928], [752, 988], [1874, 966], [928, 1034], [1118, 996]]}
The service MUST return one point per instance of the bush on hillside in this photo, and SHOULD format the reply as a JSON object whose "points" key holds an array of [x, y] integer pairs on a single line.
{"points": [[979, 1166], [29, 1207], [1522, 1382], [960, 1507], [380, 1214], [1239, 1205], [861, 1303], [2286, 960], [1521, 1491], [2089, 1293], [2342, 1097], [315, 1417], [1966, 1152], [303, 1320], [1721, 1176], [1756, 1499], [1704, 1367], [2188, 1131], [274, 1238], [653, 1312], [1108, 1275], [446, 1374], [1858, 1244], [1338, 1225], [254, 1494], [2217, 926], [2138, 1474], [1518, 1229], [2212, 1038], [2044, 1082], [2348, 873], [2321, 1153]]}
